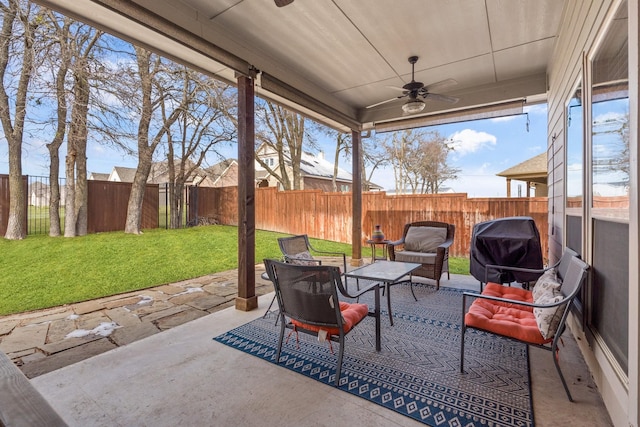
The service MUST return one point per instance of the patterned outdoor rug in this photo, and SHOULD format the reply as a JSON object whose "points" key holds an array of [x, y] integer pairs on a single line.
{"points": [[417, 373]]}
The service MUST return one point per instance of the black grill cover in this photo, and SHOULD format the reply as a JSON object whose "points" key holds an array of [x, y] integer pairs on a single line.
{"points": [[513, 242]]}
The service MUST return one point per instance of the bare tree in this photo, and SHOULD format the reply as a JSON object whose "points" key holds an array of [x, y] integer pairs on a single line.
{"points": [[152, 82], [61, 64], [206, 122], [373, 157], [419, 161], [20, 21], [343, 147], [283, 132], [76, 161], [612, 157]]}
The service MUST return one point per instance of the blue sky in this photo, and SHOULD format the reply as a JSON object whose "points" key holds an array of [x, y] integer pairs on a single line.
{"points": [[483, 148]]}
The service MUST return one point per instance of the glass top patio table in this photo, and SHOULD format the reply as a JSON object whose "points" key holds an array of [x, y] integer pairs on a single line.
{"points": [[387, 272]]}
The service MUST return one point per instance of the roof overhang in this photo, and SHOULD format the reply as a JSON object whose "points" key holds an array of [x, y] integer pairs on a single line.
{"points": [[330, 60]]}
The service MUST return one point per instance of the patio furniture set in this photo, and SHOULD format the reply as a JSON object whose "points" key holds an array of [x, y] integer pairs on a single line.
{"points": [[311, 295]]}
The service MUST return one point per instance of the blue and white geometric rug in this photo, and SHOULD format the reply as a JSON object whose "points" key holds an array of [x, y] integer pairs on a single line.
{"points": [[417, 372]]}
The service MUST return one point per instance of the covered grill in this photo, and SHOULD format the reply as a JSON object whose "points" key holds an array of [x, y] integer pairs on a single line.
{"points": [[513, 242]]}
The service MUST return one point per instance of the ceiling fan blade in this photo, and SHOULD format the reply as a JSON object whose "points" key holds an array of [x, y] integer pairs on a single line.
{"points": [[443, 98], [443, 83], [396, 88], [282, 3], [384, 102]]}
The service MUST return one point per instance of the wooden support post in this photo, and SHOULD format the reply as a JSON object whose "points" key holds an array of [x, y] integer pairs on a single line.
{"points": [[356, 197], [508, 187], [246, 299]]}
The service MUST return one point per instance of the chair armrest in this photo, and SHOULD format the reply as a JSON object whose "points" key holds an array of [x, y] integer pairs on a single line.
{"points": [[344, 292], [446, 243], [391, 248], [509, 268], [342, 254], [396, 242]]}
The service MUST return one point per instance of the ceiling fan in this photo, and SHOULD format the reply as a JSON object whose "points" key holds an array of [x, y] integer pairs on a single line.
{"points": [[416, 90], [282, 3]]}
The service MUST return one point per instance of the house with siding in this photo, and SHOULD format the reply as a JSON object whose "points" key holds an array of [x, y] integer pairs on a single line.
{"points": [[316, 172]]}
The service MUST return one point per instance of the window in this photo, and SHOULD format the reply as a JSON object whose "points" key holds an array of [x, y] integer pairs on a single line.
{"points": [[575, 141], [610, 121]]}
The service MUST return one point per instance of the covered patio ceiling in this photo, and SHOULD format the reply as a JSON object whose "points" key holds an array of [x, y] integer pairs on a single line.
{"points": [[330, 59]]}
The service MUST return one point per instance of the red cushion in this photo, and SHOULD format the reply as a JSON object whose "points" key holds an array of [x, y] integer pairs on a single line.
{"points": [[504, 320], [508, 292], [351, 315]]}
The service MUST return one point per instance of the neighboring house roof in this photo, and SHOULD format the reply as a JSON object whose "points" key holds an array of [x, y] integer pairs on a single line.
{"points": [[159, 173], [531, 170], [319, 167], [223, 174], [218, 170], [96, 176], [122, 174], [315, 166]]}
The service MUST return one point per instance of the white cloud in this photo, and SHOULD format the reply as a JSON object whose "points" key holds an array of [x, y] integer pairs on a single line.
{"points": [[469, 141]]}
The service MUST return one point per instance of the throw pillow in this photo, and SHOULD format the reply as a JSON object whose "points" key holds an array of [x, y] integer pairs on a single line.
{"points": [[424, 239], [303, 258], [548, 319], [545, 283]]}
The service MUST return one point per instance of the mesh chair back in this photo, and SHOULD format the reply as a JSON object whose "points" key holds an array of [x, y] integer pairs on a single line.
{"points": [[565, 261], [574, 277], [291, 246], [307, 293]]}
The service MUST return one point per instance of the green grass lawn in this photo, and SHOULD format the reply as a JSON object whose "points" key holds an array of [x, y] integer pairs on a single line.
{"points": [[40, 271]]}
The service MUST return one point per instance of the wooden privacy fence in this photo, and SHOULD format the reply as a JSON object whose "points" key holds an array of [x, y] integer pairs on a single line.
{"points": [[4, 203], [328, 215], [107, 206]]}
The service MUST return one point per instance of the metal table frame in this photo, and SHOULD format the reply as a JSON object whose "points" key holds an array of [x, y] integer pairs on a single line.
{"points": [[388, 273]]}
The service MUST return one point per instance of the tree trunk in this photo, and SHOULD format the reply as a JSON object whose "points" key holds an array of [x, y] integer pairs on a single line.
{"points": [[78, 132], [14, 129], [133, 224], [54, 190], [70, 192], [17, 213]]}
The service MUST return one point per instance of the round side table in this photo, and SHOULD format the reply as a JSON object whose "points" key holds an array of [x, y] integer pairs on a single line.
{"points": [[374, 244]]}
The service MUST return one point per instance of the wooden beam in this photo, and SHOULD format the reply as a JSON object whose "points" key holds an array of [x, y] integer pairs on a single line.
{"points": [[20, 403], [246, 299], [356, 197]]}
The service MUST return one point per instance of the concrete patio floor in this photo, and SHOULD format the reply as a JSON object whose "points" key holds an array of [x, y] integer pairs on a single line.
{"points": [[161, 367], [182, 377]]}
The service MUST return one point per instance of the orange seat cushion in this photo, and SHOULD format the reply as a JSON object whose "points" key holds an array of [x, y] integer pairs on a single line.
{"points": [[506, 320], [352, 314], [508, 292]]}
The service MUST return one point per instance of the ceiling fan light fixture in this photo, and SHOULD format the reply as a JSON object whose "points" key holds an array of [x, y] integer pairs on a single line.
{"points": [[413, 106]]}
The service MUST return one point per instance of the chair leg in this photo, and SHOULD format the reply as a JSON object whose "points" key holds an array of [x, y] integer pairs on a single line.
{"points": [[411, 287], [463, 329], [554, 351], [280, 340], [339, 364], [269, 310]]}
